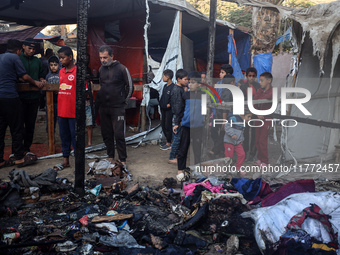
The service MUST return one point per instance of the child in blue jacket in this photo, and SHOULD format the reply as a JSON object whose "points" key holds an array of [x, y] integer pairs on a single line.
{"points": [[192, 125]]}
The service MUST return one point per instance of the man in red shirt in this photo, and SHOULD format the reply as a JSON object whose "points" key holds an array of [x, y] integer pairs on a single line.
{"points": [[261, 133], [67, 105]]}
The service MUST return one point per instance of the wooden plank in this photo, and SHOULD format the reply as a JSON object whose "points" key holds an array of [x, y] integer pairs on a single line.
{"points": [[50, 121], [55, 87]]}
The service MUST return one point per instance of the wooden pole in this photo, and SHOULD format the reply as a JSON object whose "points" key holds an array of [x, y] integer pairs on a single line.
{"points": [[50, 121], [231, 31], [82, 12], [211, 39], [210, 72]]}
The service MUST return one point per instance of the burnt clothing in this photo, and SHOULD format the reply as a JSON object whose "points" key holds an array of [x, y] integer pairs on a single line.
{"points": [[166, 97], [11, 68], [177, 104], [113, 128], [116, 85]]}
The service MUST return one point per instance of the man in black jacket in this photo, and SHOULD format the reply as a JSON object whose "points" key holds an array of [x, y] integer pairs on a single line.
{"points": [[116, 89]]}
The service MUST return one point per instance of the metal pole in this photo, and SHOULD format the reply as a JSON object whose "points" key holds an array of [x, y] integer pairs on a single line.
{"points": [[80, 98]]}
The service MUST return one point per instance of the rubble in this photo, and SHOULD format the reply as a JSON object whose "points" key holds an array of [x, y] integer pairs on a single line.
{"points": [[117, 216]]}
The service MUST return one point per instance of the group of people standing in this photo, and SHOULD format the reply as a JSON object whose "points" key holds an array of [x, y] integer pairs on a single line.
{"points": [[180, 104], [18, 110], [182, 121]]}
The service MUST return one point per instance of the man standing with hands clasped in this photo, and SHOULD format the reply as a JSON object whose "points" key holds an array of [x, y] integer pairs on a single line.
{"points": [[30, 99], [116, 89]]}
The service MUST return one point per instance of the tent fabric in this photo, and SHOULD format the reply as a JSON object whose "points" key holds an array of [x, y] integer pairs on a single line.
{"points": [[129, 50], [172, 60], [316, 36], [41, 36], [194, 24], [299, 143], [263, 63], [243, 49], [234, 62], [19, 35]]}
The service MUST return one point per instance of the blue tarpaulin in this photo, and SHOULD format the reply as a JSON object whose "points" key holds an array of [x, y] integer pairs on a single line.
{"points": [[234, 62], [243, 49], [263, 63], [284, 37]]}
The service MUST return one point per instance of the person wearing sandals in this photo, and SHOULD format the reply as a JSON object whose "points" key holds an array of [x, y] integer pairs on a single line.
{"points": [[67, 105], [192, 126], [11, 68]]}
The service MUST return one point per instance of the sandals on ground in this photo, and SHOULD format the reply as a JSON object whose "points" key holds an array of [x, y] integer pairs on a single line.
{"points": [[60, 167], [185, 176]]}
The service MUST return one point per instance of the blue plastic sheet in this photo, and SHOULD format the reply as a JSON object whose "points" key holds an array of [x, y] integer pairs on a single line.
{"points": [[284, 37], [263, 63], [234, 62], [243, 49]]}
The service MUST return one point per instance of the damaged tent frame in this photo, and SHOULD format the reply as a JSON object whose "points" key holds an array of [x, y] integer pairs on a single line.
{"points": [[146, 136]]}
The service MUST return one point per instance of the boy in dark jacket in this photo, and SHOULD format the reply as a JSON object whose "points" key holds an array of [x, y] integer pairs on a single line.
{"points": [[177, 106], [166, 111], [192, 125]]}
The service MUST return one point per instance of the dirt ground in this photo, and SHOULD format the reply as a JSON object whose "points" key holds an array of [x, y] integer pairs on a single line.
{"points": [[148, 164]]}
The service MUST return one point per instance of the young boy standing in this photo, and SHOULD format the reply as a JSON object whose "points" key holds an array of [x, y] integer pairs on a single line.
{"points": [[165, 105], [249, 132], [177, 106], [233, 138], [261, 133], [52, 77], [192, 125], [67, 104], [30, 99], [217, 132]]}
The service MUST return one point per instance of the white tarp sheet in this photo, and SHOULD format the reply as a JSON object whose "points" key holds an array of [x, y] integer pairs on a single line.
{"points": [[270, 222], [172, 60]]}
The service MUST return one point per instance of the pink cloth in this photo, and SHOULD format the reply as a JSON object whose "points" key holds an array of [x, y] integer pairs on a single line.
{"points": [[189, 188]]}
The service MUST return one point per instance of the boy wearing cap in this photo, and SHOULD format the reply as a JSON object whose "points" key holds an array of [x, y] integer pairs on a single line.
{"points": [[30, 99]]}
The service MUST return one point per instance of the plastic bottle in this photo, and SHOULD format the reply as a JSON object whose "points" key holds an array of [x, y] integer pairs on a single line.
{"points": [[13, 236], [171, 191]]}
